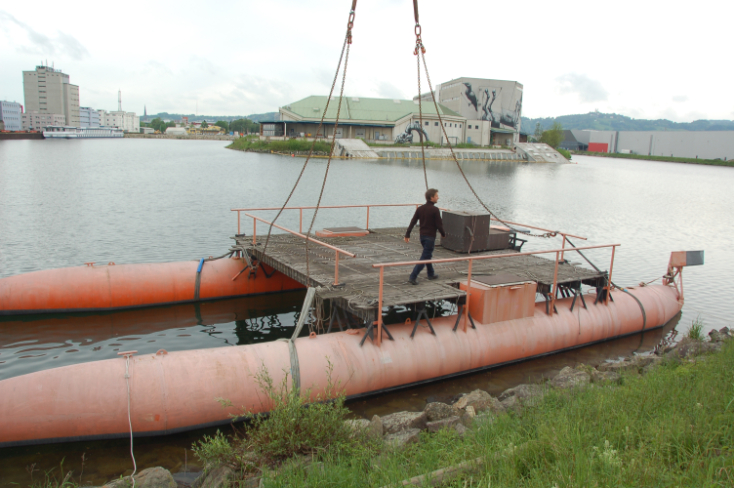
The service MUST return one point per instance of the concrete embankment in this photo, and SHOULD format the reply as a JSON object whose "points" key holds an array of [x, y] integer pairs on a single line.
{"points": [[187, 137], [10, 136]]}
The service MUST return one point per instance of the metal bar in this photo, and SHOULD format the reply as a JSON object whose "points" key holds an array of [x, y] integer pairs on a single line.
{"points": [[329, 246], [306, 207], [555, 286], [368, 218], [300, 220], [538, 228], [563, 246], [379, 307], [493, 256], [336, 269], [254, 231], [397, 205], [238, 222], [609, 282], [468, 297]]}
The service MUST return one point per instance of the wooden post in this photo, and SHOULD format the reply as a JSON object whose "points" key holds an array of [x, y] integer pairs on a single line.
{"points": [[609, 284], [336, 269], [379, 307], [468, 296], [555, 287]]}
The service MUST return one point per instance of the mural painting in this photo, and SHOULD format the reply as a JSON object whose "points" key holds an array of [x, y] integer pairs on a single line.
{"points": [[407, 136], [492, 106]]}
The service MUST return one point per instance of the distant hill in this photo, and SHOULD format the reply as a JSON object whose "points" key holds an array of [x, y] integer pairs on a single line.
{"points": [[214, 118], [601, 121]]}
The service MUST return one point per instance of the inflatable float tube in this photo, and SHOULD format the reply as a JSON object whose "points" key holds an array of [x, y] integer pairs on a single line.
{"points": [[178, 391], [113, 287]]}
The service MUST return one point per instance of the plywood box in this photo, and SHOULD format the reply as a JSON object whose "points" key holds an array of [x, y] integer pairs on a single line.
{"points": [[501, 297]]}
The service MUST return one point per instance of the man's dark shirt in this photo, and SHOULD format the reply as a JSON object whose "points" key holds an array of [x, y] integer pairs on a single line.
{"points": [[430, 217]]}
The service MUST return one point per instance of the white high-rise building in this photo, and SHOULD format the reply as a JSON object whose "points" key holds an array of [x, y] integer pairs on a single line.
{"points": [[127, 121], [48, 91], [10, 114]]}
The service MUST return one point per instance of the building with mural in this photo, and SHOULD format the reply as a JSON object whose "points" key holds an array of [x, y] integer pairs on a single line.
{"points": [[492, 108], [473, 110]]}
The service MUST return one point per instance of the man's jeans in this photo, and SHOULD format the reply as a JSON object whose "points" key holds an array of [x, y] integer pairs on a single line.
{"points": [[428, 244]]}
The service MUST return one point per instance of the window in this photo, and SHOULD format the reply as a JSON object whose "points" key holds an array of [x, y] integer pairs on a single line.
{"points": [[435, 124], [476, 126], [459, 126], [426, 122]]}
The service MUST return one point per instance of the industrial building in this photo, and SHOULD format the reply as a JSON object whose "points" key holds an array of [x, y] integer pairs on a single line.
{"points": [[681, 144], [10, 115], [37, 120], [48, 91], [492, 108], [490, 118]]}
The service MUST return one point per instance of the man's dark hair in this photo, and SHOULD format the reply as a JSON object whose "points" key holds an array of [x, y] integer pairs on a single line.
{"points": [[430, 193]]}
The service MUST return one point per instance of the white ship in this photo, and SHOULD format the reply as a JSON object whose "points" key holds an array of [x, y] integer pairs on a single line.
{"points": [[65, 132]]}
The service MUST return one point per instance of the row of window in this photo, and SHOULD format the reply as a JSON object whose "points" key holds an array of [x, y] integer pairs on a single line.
{"points": [[447, 124]]}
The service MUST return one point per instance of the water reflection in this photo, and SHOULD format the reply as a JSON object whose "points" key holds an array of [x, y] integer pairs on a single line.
{"points": [[36, 342]]}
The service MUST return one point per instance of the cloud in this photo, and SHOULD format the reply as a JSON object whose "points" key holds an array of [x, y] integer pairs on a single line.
{"points": [[680, 98], [385, 89], [588, 90], [37, 43]]}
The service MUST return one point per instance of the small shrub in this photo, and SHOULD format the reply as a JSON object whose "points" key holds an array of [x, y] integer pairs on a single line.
{"points": [[695, 331], [213, 449], [295, 427]]}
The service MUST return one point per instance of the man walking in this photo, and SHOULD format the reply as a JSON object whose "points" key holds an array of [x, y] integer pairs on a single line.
{"points": [[430, 217]]}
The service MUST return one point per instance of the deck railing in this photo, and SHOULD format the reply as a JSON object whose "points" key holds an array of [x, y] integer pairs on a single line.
{"points": [[367, 225], [471, 259]]}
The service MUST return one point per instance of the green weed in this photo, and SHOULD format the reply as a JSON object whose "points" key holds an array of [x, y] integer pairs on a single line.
{"points": [[695, 331], [290, 145]]}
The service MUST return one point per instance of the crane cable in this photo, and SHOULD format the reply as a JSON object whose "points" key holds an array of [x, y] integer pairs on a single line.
{"points": [[347, 42], [420, 52]]}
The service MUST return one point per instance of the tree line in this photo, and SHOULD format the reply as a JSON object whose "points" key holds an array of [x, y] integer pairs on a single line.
{"points": [[243, 126]]}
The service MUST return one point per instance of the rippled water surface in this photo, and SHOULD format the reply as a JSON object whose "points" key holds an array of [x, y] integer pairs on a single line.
{"points": [[63, 203]]}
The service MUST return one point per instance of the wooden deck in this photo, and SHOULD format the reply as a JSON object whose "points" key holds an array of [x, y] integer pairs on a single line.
{"points": [[359, 282]]}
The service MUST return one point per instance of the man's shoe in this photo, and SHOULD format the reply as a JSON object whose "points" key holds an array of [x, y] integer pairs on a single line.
{"points": [[434, 277], [412, 281]]}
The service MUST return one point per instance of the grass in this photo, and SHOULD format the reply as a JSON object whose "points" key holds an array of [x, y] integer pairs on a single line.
{"points": [[292, 428], [715, 162], [287, 146], [671, 427], [695, 331], [564, 153]]}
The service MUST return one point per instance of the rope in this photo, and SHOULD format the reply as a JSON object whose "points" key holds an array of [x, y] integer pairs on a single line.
{"points": [[129, 419], [347, 41], [420, 108], [420, 52]]}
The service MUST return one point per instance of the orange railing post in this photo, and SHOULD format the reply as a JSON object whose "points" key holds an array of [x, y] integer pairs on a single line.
{"points": [[300, 220], [238, 222], [563, 246], [368, 218], [254, 231]]}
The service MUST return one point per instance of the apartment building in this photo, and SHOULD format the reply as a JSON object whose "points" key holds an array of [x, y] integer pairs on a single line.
{"points": [[10, 115], [37, 120], [48, 90]]}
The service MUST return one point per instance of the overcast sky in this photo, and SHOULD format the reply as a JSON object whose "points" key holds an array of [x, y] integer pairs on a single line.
{"points": [[642, 58]]}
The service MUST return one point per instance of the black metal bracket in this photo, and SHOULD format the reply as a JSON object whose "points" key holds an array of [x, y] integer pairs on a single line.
{"points": [[458, 318], [547, 304], [370, 333], [422, 313], [576, 294], [335, 314]]}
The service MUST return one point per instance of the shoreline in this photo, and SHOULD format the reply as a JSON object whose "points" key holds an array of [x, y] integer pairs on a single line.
{"points": [[708, 162]]}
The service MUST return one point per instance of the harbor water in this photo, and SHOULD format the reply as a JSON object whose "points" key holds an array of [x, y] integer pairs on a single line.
{"points": [[67, 202]]}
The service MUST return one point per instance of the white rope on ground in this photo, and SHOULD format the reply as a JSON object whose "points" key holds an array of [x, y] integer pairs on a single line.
{"points": [[129, 419]]}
